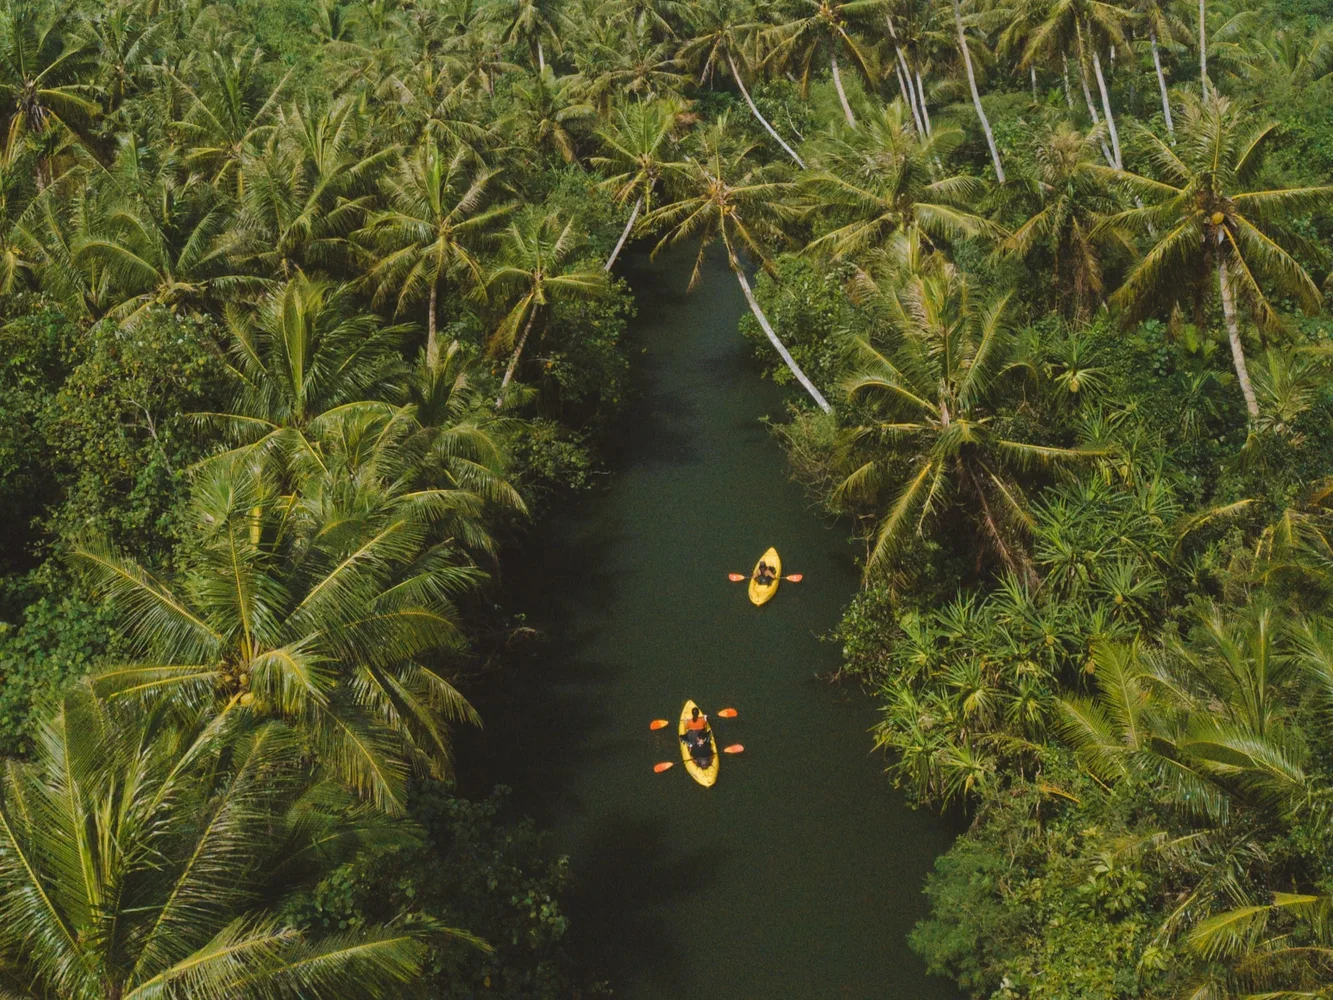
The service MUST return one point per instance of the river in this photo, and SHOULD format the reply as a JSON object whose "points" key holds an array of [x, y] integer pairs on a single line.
{"points": [[799, 874]]}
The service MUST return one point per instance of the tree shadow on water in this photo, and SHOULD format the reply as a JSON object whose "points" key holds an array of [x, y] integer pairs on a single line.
{"points": [[626, 900]]}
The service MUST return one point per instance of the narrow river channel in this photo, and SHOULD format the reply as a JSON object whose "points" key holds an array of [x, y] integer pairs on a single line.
{"points": [[799, 874]]}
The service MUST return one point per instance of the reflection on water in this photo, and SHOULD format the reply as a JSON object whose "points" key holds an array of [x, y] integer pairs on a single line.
{"points": [[799, 874]]}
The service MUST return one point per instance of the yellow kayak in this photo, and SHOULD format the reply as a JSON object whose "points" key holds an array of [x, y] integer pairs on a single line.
{"points": [[704, 775], [760, 594]]}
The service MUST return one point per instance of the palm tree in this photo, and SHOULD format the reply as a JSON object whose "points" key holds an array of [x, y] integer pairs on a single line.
{"points": [[323, 608], [819, 28], [1164, 25], [875, 181], [933, 390], [1081, 28], [526, 23], [722, 197], [549, 109], [304, 350], [635, 145], [720, 32], [1204, 218], [228, 116], [537, 271], [440, 216], [1072, 196], [43, 76], [139, 857]]}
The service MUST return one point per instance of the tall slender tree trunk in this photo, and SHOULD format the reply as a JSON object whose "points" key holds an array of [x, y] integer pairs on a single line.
{"points": [[921, 96], [1092, 112], [638, 204], [736, 75], [1032, 72], [1069, 95], [541, 57], [905, 85], [1203, 51], [905, 79], [1161, 85], [1233, 335], [1106, 104], [513, 358], [432, 343], [790, 362], [842, 95], [976, 96]]}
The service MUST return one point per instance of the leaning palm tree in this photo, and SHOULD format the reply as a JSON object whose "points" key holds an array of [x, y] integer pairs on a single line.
{"points": [[636, 146], [722, 197], [966, 53], [147, 855], [868, 184], [932, 386], [537, 271], [326, 608], [819, 29], [720, 33], [440, 214], [1204, 217]]}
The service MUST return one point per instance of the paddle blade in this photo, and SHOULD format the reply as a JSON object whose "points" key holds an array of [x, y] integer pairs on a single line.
{"points": [[794, 578], [658, 724], [666, 765], [735, 577], [734, 748], [728, 713]]}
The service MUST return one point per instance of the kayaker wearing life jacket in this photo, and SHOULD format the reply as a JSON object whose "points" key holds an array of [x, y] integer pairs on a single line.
{"points": [[763, 575], [696, 733]]}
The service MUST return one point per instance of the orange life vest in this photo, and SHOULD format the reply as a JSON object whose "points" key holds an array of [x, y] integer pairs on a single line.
{"points": [[695, 725]]}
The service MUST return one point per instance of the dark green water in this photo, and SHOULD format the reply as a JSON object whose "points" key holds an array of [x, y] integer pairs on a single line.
{"points": [[799, 874]]}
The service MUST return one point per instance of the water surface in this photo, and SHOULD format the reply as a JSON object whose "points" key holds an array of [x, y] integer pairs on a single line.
{"points": [[799, 874]]}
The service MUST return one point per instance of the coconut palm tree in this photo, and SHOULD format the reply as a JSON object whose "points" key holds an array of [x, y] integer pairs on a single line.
{"points": [[537, 271], [302, 351], [720, 31], [932, 386], [325, 608], [721, 197], [1165, 27], [636, 146], [441, 213], [527, 24], [1204, 217], [1070, 196], [139, 854], [550, 112], [868, 184], [966, 52], [813, 30]]}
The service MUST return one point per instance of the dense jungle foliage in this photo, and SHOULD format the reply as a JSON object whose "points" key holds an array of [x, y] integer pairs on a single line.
{"points": [[307, 307]]}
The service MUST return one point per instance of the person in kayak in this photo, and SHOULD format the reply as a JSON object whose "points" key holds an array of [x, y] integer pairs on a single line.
{"points": [[763, 575], [696, 735]]}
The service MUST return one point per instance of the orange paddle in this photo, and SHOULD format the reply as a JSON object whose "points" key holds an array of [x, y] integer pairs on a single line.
{"points": [[658, 724], [738, 577], [734, 748], [727, 713], [665, 765]]}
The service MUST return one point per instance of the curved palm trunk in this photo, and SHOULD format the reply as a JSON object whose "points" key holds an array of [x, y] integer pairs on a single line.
{"points": [[921, 96], [1092, 112], [1161, 85], [541, 57], [513, 358], [735, 74], [1106, 105], [1069, 96], [625, 235], [1233, 335], [842, 94], [790, 362], [1203, 51], [432, 343], [976, 96]]}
